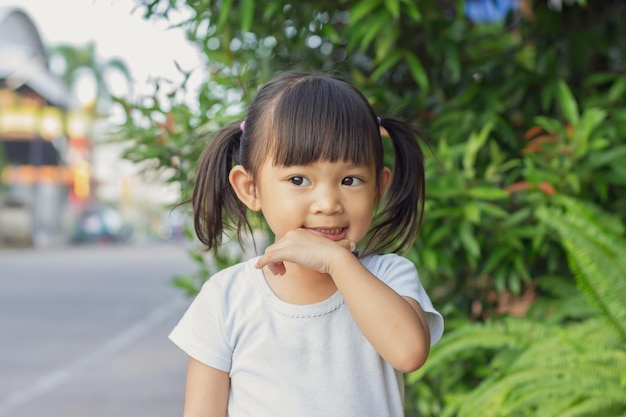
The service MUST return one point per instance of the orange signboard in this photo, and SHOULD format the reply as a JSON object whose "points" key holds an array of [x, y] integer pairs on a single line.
{"points": [[29, 174]]}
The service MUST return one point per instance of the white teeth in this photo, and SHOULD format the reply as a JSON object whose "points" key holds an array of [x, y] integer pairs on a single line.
{"points": [[334, 231]]}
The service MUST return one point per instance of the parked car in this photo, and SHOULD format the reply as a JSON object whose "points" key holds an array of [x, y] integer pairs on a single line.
{"points": [[101, 224], [16, 224]]}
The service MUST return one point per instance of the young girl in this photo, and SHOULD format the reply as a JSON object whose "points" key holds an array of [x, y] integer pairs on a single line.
{"points": [[312, 327]]}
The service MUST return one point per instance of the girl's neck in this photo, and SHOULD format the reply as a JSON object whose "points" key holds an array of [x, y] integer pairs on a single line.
{"points": [[300, 285]]}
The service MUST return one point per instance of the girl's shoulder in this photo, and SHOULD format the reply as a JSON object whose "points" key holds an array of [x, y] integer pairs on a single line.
{"points": [[232, 277], [393, 269], [380, 263]]}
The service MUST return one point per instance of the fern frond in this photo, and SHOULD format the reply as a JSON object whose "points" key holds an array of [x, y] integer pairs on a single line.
{"points": [[515, 393], [591, 339], [597, 258], [607, 221], [597, 406], [559, 402], [466, 341], [603, 283], [552, 372]]}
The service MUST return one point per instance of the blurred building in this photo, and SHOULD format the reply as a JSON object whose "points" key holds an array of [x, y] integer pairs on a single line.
{"points": [[44, 146]]}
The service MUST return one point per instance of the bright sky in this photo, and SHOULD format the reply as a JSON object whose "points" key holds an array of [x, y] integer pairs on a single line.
{"points": [[149, 48]]}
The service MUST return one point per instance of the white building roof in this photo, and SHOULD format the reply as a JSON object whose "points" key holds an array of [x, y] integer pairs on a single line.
{"points": [[24, 60]]}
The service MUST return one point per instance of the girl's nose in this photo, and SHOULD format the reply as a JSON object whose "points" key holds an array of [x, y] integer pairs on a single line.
{"points": [[327, 202]]}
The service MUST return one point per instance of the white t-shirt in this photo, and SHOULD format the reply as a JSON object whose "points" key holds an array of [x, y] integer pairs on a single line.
{"points": [[297, 360]]}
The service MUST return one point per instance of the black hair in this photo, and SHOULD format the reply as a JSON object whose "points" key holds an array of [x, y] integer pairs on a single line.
{"points": [[300, 118]]}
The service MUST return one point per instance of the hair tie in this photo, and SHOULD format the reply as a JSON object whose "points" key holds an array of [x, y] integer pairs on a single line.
{"points": [[379, 120], [242, 126]]}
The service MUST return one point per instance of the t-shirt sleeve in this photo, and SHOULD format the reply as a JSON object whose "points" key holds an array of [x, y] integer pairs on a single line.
{"points": [[401, 275], [200, 333]]}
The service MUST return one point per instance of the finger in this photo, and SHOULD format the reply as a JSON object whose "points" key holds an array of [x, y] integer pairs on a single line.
{"points": [[347, 244], [260, 263], [277, 268]]}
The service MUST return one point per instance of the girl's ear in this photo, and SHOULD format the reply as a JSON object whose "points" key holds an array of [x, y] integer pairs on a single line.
{"points": [[385, 180], [243, 185]]}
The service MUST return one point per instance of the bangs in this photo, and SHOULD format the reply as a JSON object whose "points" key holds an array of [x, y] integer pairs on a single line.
{"points": [[324, 119]]}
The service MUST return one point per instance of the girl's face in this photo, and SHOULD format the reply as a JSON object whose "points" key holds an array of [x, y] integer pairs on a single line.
{"points": [[333, 199]]}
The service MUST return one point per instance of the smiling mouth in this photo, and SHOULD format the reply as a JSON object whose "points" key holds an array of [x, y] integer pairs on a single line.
{"points": [[333, 233]]}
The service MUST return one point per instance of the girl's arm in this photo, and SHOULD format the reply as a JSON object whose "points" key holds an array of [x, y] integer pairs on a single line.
{"points": [[206, 394], [394, 325]]}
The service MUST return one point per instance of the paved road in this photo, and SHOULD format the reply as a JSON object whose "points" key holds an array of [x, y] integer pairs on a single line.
{"points": [[83, 331]]}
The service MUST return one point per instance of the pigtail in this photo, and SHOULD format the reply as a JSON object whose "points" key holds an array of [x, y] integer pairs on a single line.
{"points": [[401, 211], [214, 201]]}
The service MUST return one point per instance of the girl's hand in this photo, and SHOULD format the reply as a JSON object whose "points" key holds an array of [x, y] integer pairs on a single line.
{"points": [[304, 248]]}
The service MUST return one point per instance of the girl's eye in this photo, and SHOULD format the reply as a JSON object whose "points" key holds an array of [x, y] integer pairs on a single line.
{"points": [[299, 181], [351, 181]]}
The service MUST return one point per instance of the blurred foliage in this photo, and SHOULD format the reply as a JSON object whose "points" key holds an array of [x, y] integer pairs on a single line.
{"points": [[522, 113], [74, 62]]}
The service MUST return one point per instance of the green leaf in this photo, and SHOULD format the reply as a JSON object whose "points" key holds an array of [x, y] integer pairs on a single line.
{"points": [[599, 78], [187, 284], [453, 61], [567, 103], [546, 96], [225, 11], [390, 62], [429, 259], [517, 217], [514, 283], [412, 10], [591, 119], [488, 193], [617, 90], [472, 212], [615, 155], [375, 25], [393, 6], [362, 9], [495, 258], [437, 236], [474, 143], [246, 15], [492, 209], [521, 268], [417, 70], [550, 125], [469, 241], [331, 33], [385, 42]]}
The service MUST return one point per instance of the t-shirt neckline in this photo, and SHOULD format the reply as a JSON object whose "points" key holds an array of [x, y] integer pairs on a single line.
{"points": [[284, 308]]}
